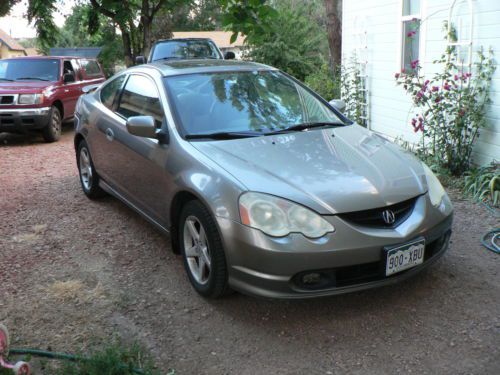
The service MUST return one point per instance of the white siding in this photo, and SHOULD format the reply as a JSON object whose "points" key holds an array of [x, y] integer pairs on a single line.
{"points": [[390, 107]]}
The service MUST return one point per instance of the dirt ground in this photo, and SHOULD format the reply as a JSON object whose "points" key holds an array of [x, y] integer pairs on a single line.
{"points": [[73, 271]]}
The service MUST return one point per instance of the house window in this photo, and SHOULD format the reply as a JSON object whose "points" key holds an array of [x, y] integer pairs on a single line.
{"points": [[410, 35]]}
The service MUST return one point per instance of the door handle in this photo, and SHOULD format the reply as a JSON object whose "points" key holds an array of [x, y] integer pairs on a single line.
{"points": [[109, 134]]}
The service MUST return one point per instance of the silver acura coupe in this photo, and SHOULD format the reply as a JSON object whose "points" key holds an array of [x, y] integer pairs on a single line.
{"points": [[263, 186]]}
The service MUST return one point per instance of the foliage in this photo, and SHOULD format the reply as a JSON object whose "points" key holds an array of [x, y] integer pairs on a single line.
{"points": [[483, 184], [292, 43], [452, 105], [324, 82], [353, 90], [114, 359], [75, 33], [252, 18]]}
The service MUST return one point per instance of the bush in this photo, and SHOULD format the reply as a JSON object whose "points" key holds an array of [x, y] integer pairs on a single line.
{"points": [[483, 184], [325, 82], [452, 106]]}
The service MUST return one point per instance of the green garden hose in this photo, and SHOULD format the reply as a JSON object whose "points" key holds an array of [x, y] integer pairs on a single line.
{"points": [[491, 240]]}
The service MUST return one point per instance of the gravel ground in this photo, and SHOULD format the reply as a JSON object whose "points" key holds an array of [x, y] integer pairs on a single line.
{"points": [[73, 271]]}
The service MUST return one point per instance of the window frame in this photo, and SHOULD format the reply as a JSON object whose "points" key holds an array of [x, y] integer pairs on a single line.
{"points": [[118, 97], [402, 38]]}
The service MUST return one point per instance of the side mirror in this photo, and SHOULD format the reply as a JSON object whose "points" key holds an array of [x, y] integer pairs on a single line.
{"points": [[139, 60], [229, 55], [338, 104], [69, 77], [142, 126]]}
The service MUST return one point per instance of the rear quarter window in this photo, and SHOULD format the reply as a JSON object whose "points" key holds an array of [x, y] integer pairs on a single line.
{"points": [[110, 90], [91, 68]]}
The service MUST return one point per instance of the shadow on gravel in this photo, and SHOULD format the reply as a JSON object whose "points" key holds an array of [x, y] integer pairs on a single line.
{"points": [[29, 139]]}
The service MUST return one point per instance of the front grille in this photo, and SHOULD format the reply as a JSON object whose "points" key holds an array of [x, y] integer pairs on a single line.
{"points": [[6, 99], [374, 218]]}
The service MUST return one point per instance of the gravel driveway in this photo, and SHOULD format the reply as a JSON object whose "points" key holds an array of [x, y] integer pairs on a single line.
{"points": [[73, 270]]}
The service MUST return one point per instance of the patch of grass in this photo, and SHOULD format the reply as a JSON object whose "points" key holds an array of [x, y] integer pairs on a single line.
{"points": [[114, 359]]}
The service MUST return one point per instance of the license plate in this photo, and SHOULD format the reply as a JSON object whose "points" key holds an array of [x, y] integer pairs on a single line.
{"points": [[406, 256]]}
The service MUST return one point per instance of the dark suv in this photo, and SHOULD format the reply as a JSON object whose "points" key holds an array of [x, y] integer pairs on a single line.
{"points": [[39, 93], [184, 49]]}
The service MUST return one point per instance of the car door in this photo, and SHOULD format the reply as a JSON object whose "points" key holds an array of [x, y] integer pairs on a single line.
{"points": [[71, 90], [136, 165]]}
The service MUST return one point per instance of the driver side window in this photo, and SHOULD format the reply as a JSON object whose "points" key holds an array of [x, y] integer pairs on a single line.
{"points": [[140, 98]]}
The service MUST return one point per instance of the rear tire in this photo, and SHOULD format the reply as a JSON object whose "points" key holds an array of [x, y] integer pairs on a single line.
{"points": [[202, 251], [89, 179], [52, 132]]}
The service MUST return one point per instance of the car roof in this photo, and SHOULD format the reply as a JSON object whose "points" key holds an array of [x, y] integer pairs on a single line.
{"points": [[176, 67]]}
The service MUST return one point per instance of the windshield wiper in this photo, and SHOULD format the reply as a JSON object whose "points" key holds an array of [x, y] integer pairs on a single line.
{"points": [[307, 125], [33, 78], [223, 135], [6, 79]]}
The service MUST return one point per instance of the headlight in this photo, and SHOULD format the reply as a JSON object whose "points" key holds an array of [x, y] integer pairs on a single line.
{"points": [[436, 190], [30, 99], [279, 217]]}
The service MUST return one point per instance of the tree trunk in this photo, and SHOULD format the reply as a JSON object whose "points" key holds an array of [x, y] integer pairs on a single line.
{"points": [[127, 47], [334, 30]]}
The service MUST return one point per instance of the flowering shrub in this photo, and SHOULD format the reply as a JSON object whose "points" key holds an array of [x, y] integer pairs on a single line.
{"points": [[451, 105]]}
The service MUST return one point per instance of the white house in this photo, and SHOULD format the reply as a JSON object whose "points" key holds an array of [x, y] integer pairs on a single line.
{"points": [[374, 30]]}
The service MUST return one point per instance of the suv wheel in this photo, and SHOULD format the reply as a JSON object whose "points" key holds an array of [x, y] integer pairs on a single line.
{"points": [[202, 251], [89, 178], [52, 132]]}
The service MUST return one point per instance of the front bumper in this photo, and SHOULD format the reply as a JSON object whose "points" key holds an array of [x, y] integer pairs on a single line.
{"points": [[352, 257], [20, 120]]}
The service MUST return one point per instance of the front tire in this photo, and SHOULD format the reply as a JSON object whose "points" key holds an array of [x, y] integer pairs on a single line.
{"points": [[89, 179], [52, 132], [202, 251]]}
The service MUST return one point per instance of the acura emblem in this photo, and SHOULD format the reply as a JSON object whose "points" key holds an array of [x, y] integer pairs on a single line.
{"points": [[389, 217]]}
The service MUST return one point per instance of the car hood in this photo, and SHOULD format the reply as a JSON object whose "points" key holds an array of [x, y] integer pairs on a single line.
{"points": [[23, 87], [331, 170]]}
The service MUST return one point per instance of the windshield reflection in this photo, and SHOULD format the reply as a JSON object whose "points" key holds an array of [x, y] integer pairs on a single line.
{"points": [[258, 101]]}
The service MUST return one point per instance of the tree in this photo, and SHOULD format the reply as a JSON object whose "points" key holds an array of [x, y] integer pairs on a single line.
{"points": [[75, 33], [135, 18], [291, 42], [334, 30]]}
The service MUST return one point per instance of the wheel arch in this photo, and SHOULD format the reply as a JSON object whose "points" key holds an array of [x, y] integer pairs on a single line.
{"points": [[59, 105]]}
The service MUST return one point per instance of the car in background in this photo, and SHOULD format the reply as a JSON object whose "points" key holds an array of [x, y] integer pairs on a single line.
{"points": [[184, 49], [39, 93], [264, 187]]}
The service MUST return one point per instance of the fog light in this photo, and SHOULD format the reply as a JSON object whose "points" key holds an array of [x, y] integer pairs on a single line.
{"points": [[311, 278]]}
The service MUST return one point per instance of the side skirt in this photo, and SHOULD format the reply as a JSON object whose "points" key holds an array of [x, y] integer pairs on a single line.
{"points": [[117, 195]]}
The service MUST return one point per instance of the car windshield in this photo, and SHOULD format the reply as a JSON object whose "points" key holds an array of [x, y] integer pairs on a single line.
{"points": [[29, 69], [185, 49], [256, 102]]}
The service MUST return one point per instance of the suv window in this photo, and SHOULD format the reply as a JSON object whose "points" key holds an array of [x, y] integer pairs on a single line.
{"points": [[140, 98], [109, 91], [91, 67]]}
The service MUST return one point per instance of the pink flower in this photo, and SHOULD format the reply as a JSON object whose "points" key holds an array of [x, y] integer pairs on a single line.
{"points": [[426, 82], [414, 64], [420, 94], [411, 34], [396, 75], [446, 86], [456, 77], [435, 88], [414, 122]]}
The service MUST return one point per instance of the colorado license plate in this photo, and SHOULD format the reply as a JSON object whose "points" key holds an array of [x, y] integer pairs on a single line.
{"points": [[406, 256]]}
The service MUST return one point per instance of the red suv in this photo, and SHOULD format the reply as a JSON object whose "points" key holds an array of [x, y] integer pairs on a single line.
{"points": [[39, 93]]}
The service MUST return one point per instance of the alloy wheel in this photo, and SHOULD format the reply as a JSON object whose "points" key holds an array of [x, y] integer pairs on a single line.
{"points": [[196, 250]]}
